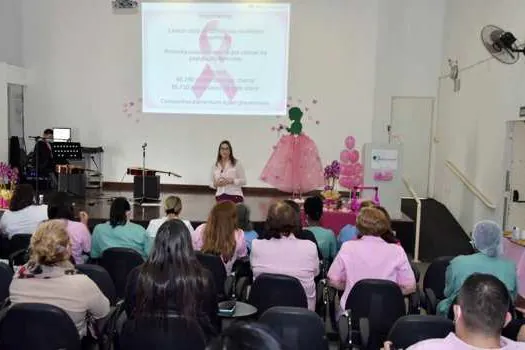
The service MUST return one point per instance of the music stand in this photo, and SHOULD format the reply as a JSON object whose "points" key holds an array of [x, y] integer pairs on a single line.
{"points": [[143, 199], [63, 152]]}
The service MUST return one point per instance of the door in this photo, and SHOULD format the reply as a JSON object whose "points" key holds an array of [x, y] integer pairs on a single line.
{"points": [[411, 126], [15, 102], [515, 180]]}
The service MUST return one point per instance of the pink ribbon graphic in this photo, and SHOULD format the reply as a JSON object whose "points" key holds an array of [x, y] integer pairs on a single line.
{"points": [[219, 74]]}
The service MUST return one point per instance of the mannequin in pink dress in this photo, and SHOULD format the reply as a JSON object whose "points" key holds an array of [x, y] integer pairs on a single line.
{"points": [[294, 166]]}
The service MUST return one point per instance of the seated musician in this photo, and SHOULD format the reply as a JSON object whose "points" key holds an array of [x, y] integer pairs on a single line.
{"points": [[43, 152]]}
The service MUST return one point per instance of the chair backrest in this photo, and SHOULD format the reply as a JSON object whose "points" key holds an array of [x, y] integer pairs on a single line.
{"points": [[102, 279], [6, 276], [118, 262], [19, 242], [381, 302], [435, 276], [411, 329], [37, 327], [298, 328], [214, 264], [269, 290], [179, 334]]}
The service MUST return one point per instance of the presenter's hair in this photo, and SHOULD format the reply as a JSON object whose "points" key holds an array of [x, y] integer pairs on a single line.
{"points": [[233, 160], [48, 132]]}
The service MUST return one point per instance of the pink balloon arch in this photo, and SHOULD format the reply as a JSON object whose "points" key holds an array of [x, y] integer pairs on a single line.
{"points": [[351, 167]]}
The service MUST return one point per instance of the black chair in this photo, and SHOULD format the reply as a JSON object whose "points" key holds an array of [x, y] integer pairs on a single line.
{"points": [[37, 327], [298, 328], [215, 266], [269, 290], [434, 284], [178, 334], [118, 262], [19, 242], [409, 330], [102, 279], [6, 276], [372, 308], [242, 277]]}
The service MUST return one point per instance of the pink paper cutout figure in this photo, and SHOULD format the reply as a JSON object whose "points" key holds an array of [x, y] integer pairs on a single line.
{"points": [[350, 142]]}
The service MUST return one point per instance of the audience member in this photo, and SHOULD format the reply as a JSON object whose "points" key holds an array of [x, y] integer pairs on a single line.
{"points": [[301, 232], [172, 282], [243, 336], [60, 207], [23, 215], [486, 239], [349, 231], [389, 235], [481, 312], [371, 257], [244, 223], [282, 253], [120, 232], [220, 235], [313, 209], [172, 208], [49, 277]]}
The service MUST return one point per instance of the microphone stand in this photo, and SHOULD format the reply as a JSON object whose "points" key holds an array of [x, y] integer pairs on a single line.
{"points": [[37, 140], [143, 199]]}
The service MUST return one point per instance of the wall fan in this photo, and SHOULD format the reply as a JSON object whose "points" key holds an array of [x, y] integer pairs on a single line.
{"points": [[502, 45]]}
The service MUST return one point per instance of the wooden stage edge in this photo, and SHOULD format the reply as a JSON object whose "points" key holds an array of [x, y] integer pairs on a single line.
{"points": [[202, 189]]}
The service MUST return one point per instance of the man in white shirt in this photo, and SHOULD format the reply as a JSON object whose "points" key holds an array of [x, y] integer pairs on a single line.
{"points": [[481, 313], [23, 217]]}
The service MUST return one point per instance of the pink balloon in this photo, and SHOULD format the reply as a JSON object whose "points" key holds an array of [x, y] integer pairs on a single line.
{"points": [[345, 156], [358, 168], [354, 156], [356, 181], [350, 142], [347, 169], [345, 181]]}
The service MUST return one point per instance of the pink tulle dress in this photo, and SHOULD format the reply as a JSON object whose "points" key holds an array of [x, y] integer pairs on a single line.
{"points": [[295, 165]]}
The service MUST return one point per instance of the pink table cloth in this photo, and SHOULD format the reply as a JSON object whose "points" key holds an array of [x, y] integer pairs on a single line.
{"points": [[334, 220], [516, 253]]}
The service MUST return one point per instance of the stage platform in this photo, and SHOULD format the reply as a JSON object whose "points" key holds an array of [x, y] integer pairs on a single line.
{"points": [[197, 205]]}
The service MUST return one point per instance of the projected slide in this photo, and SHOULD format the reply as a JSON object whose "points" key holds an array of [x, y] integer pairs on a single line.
{"points": [[215, 58]]}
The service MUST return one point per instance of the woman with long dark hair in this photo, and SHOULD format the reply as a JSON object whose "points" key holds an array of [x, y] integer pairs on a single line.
{"points": [[227, 175], [119, 232], [23, 215], [172, 284], [221, 236]]}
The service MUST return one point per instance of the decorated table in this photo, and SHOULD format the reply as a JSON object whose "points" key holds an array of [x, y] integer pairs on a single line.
{"points": [[334, 219]]}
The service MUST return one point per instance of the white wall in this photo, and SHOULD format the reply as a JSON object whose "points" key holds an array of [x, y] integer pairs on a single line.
{"points": [[11, 32], [471, 124], [409, 51], [86, 62]]}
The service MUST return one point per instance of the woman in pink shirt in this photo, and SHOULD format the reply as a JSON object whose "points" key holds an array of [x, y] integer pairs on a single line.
{"points": [[282, 253], [371, 257], [220, 235], [59, 207]]}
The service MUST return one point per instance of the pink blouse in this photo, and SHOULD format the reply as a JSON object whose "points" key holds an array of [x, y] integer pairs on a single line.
{"points": [[370, 257], [287, 256], [197, 239]]}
